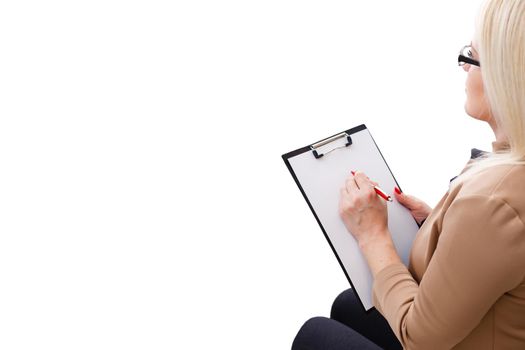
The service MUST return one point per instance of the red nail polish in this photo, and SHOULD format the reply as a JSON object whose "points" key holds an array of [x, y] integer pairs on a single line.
{"points": [[398, 191], [353, 172]]}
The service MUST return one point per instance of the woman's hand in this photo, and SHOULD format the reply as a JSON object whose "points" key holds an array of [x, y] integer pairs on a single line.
{"points": [[365, 215], [419, 209], [363, 212]]}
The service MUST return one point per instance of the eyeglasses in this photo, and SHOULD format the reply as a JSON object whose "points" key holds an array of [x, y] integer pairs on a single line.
{"points": [[466, 57]]}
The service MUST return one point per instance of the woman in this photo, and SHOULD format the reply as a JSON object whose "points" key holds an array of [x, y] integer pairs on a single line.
{"points": [[465, 284]]}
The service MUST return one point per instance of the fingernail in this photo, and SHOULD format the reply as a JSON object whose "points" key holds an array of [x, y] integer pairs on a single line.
{"points": [[353, 172], [398, 191]]}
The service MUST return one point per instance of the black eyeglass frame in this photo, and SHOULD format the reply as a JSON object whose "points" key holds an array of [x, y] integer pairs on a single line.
{"points": [[462, 60]]}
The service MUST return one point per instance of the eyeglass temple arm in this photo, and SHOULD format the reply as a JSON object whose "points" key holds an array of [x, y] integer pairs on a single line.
{"points": [[466, 59]]}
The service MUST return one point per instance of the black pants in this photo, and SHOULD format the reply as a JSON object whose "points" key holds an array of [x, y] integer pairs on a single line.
{"points": [[348, 328]]}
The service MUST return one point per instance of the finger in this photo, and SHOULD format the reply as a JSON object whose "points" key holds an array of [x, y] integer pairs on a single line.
{"points": [[406, 200], [350, 184], [399, 195], [345, 196], [362, 181]]}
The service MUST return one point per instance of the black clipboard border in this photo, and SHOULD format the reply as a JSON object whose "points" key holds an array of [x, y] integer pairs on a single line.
{"points": [[308, 148]]}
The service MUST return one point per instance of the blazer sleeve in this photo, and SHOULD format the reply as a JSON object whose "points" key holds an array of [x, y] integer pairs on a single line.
{"points": [[480, 255]]}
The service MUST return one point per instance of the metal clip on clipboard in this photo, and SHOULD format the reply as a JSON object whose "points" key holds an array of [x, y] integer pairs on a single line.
{"points": [[319, 144]]}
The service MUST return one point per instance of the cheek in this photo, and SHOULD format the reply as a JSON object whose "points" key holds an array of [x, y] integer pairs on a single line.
{"points": [[475, 105], [474, 84]]}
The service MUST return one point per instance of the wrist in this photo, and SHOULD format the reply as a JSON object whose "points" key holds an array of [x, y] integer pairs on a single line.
{"points": [[379, 251], [380, 237]]}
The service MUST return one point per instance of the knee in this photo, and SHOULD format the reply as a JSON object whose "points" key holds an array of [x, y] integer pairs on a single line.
{"points": [[308, 333], [344, 304]]}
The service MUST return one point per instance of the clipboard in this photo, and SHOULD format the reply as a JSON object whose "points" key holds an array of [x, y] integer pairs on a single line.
{"points": [[320, 170]]}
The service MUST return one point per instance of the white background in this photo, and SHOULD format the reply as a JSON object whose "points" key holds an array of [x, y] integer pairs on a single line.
{"points": [[144, 203]]}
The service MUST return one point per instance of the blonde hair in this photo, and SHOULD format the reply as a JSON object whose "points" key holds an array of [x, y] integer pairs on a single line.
{"points": [[500, 36]]}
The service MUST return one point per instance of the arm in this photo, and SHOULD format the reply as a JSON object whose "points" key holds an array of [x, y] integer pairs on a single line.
{"points": [[480, 256], [380, 252]]}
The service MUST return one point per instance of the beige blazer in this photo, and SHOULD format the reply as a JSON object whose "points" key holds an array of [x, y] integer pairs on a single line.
{"points": [[465, 284]]}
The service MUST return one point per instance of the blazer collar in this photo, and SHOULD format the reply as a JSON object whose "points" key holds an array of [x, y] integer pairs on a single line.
{"points": [[500, 146], [496, 147]]}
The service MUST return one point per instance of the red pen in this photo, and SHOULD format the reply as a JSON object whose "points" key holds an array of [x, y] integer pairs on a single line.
{"points": [[380, 192]]}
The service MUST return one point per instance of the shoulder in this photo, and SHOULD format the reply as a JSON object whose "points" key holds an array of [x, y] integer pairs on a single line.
{"points": [[493, 181], [488, 212], [502, 186]]}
